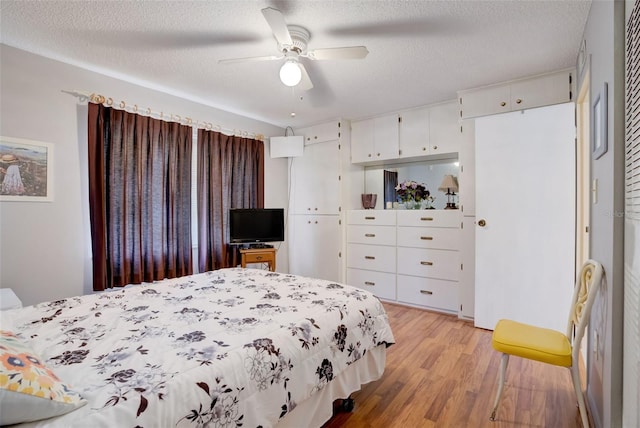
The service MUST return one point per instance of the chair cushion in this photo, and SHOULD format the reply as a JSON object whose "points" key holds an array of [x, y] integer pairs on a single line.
{"points": [[534, 343]]}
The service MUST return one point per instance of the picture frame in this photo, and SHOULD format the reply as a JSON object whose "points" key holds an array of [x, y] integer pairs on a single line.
{"points": [[599, 117], [26, 170]]}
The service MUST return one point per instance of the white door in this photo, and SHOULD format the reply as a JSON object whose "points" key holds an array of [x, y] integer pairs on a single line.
{"points": [[314, 246], [315, 180], [525, 197]]}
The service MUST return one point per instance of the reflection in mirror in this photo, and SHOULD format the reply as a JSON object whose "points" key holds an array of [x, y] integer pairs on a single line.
{"points": [[430, 173]]}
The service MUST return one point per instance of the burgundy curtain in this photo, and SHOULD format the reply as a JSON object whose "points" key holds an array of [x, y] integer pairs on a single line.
{"points": [[230, 175], [139, 197]]}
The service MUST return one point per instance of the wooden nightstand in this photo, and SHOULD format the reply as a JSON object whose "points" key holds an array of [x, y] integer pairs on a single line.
{"points": [[259, 255]]}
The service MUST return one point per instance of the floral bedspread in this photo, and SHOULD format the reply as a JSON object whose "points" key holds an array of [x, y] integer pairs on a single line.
{"points": [[228, 348]]}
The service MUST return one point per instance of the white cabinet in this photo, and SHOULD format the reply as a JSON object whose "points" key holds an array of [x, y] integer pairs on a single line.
{"points": [[321, 182], [314, 248], [315, 180], [414, 133], [411, 257], [375, 139], [467, 177], [371, 251], [548, 89], [445, 133], [429, 258]]}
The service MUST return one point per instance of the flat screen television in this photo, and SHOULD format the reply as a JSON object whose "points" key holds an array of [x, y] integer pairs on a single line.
{"points": [[256, 225]]}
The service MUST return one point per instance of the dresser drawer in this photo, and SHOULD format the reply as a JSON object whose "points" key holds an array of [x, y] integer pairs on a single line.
{"points": [[372, 217], [382, 284], [442, 264], [376, 235], [429, 237], [430, 218], [371, 257], [433, 293]]}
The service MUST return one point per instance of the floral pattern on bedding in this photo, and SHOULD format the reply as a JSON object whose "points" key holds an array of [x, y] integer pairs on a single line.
{"points": [[228, 348]]}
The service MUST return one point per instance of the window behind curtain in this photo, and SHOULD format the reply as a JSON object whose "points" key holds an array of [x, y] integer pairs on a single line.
{"points": [[139, 196], [230, 175]]}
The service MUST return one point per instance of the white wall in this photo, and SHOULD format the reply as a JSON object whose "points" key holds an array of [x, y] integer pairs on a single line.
{"points": [[604, 35], [45, 248]]}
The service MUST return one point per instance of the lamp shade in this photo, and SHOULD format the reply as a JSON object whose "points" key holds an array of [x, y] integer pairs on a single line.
{"points": [[449, 183], [290, 73]]}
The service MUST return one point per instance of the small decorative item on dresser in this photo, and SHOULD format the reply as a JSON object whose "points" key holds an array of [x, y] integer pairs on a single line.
{"points": [[369, 200], [413, 194], [450, 186]]}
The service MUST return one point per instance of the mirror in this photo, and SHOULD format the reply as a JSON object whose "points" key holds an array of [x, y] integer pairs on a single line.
{"points": [[429, 172]]}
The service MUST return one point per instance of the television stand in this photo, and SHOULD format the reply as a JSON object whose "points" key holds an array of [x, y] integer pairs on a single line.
{"points": [[259, 255]]}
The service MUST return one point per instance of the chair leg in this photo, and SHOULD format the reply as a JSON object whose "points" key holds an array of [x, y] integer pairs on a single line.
{"points": [[577, 385], [503, 371]]}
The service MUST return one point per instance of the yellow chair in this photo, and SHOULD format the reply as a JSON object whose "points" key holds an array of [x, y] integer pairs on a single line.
{"points": [[550, 346]]}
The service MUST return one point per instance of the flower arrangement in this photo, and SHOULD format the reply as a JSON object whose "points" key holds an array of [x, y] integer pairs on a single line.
{"points": [[412, 191]]}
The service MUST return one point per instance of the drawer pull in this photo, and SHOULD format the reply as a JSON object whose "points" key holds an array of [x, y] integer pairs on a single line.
{"points": [[426, 218], [259, 258], [426, 292], [427, 238], [369, 257], [369, 283], [370, 218], [370, 235], [426, 263]]}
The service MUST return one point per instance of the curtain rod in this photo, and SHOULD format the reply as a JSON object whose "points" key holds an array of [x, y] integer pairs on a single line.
{"points": [[122, 105]]}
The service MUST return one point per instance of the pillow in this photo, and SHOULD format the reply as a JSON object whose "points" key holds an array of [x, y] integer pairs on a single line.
{"points": [[29, 390]]}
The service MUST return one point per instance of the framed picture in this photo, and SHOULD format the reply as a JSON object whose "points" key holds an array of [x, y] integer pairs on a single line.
{"points": [[599, 123], [26, 170]]}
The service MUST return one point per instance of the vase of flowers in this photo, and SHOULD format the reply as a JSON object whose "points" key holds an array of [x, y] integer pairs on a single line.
{"points": [[413, 195]]}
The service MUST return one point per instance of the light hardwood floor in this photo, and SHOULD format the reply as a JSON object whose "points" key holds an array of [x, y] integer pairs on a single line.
{"points": [[442, 373]]}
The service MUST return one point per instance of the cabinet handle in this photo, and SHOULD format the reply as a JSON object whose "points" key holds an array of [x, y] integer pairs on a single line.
{"points": [[424, 149], [435, 147], [369, 218], [426, 218], [260, 257], [518, 101], [378, 154], [309, 222], [369, 257], [316, 221], [369, 155], [369, 283], [427, 238], [502, 104], [316, 209], [308, 209], [370, 235], [426, 263], [426, 292]]}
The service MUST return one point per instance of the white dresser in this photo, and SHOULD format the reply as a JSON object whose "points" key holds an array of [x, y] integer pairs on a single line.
{"points": [[371, 251], [410, 257]]}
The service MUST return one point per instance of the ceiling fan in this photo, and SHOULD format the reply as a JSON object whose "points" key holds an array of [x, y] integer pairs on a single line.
{"points": [[292, 42]]}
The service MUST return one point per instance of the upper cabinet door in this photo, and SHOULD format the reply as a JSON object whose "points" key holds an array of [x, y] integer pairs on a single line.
{"points": [[362, 141], [446, 135], [545, 90], [374, 139], [329, 131], [414, 133], [486, 101], [315, 180], [386, 137]]}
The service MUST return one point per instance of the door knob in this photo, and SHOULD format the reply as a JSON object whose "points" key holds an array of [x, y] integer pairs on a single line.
{"points": [[482, 222]]}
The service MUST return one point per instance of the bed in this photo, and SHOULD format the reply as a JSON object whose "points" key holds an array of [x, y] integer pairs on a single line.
{"points": [[233, 347]]}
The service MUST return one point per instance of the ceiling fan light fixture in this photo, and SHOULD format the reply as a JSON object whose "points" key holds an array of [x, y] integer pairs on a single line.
{"points": [[290, 73]]}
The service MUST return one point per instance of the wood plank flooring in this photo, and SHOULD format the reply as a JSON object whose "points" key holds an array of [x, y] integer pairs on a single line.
{"points": [[442, 373]]}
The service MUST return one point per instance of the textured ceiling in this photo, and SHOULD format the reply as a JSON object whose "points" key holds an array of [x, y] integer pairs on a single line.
{"points": [[420, 52]]}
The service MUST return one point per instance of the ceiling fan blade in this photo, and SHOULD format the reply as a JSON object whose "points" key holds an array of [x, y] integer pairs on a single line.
{"points": [[351, 52], [250, 59], [305, 82], [278, 25]]}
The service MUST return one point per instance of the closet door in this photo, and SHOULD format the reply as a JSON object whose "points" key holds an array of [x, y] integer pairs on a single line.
{"points": [[315, 180], [525, 216]]}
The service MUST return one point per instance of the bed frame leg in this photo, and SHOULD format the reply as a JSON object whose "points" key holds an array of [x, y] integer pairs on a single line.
{"points": [[347, 405]]}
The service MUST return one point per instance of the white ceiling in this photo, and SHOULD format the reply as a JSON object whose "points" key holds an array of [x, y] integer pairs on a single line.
{"points": [[420, 52]]}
